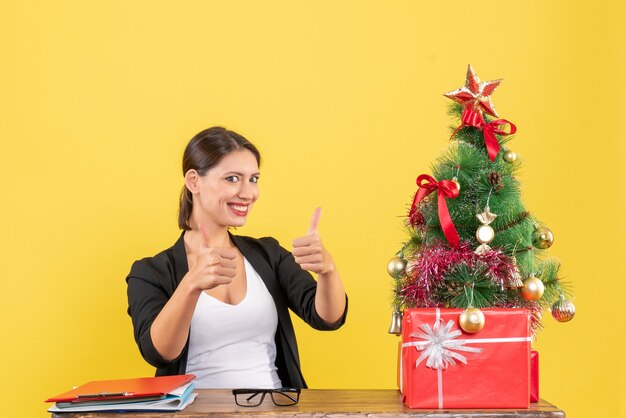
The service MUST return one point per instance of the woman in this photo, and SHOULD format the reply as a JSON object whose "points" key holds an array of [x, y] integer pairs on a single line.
{"points": [[216, 304]]}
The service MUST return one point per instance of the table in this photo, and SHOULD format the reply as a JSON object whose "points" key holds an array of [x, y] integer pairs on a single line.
{"points": [[332, 403]]}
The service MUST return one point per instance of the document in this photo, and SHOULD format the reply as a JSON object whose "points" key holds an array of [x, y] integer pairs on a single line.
{"points": [[167, 393]]}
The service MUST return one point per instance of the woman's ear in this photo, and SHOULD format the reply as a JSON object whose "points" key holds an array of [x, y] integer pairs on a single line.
{"points": [[191, 181]]}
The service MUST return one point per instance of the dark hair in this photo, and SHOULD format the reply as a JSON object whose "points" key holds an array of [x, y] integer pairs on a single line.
{"points": [[203, 152]]}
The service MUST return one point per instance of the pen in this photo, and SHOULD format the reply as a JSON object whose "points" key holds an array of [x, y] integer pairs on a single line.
{"points": [[105, 394]]}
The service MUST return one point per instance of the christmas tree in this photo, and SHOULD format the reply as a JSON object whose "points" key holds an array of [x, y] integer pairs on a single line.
{"points": [[472, 243]]}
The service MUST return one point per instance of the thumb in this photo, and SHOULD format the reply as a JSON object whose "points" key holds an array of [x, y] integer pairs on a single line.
{"points": [[315, 220], [205, 236]]}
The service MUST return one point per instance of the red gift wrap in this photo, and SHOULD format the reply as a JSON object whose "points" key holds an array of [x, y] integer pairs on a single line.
{"points": [[444, 367], [534, 376]]}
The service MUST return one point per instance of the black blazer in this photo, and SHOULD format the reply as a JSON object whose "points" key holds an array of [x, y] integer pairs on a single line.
{"points": [[152, 281]]}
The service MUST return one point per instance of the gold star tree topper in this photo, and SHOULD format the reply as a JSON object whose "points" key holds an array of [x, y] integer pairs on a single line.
{"points": [[475, 94]]}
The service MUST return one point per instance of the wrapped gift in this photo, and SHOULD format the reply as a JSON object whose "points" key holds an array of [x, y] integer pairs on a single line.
{"points": [[444, 367], [534, 376]]}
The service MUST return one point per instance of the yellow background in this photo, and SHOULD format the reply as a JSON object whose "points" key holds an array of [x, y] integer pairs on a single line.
{"points": [[343, 98]]}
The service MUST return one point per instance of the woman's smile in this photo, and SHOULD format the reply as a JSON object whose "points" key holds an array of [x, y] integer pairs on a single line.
{"points": [[239, 209]]}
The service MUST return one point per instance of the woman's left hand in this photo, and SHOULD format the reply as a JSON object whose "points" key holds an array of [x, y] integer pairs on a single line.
{"points": [[309, 251]]}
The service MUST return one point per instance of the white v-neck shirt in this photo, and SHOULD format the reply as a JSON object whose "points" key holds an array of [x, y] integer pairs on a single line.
{"points": [[233, 346]]}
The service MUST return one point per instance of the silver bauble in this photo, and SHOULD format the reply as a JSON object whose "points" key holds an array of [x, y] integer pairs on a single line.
{"points": [[563, 310]]}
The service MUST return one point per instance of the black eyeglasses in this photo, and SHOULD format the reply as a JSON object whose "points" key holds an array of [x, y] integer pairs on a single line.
{"points": [[254, 397]]}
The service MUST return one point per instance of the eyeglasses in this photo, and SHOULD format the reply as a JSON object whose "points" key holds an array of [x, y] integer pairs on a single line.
{"points": [[254, 397]]}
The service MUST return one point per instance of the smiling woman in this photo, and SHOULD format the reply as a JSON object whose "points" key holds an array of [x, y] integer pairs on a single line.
{"points": [[216, 304]]}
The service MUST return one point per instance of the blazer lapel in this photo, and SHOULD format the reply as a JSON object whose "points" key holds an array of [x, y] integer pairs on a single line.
{"points": [[181, 267]]}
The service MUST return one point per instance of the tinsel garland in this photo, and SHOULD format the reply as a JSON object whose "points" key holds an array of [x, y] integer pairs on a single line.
{"points": [[429, 265]]}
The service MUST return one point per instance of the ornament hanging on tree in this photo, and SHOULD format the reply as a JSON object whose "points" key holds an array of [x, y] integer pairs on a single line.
{"points": [[396, 267], [563, 310], [509, 156], [485, 233], [533, 288], [472, 320], [542, 237], [396, 323], [516, 277]]}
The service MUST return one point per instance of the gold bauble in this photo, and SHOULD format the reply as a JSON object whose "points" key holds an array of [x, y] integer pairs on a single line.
{"points": [[509, 156], [472, 320], [542, 238], [563, 310], [396, 267], [455, 180], [533, 288], [485, 234]]}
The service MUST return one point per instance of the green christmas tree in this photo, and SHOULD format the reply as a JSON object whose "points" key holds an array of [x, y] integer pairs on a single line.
{"points": [[472, 243]]}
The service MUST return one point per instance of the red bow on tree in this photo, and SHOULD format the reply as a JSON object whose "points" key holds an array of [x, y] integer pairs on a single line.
{"points": [[473, 118], [445, 189]]}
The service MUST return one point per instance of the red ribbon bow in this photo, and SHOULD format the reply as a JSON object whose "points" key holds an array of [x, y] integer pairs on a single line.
{"points": [[445, 189], [473, 118]]}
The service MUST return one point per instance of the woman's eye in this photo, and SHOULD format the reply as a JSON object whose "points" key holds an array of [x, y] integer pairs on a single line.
{"points": [[254, 179], [232, 179]]}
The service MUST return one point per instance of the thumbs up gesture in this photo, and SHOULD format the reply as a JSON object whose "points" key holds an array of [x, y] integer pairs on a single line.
{"points": [[309, 251], [213, 266]]}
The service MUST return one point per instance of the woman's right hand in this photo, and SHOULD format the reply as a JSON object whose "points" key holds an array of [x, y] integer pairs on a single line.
{"points": [[213, 266]]}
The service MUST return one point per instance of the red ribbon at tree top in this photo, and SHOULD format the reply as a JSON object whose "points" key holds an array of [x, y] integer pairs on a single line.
{"points": [[445, 189], [473, 118]]}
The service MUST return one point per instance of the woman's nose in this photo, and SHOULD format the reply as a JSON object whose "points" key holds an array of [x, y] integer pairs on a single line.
{"points": [[247, 190]]}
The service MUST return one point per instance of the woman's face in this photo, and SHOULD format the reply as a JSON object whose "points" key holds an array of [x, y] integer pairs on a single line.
{"points": [[227, 191]]}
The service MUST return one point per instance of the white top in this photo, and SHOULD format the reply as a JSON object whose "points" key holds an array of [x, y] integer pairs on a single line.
{"points": [[232, 346]]}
